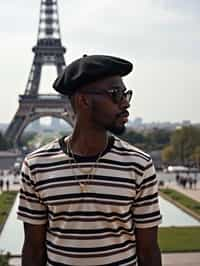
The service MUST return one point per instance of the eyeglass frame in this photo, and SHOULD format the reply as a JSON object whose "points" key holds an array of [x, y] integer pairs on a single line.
{"points": [[124, 94]]}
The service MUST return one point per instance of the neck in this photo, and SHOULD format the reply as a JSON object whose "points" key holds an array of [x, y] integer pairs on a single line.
{"points": [[88, 142]]}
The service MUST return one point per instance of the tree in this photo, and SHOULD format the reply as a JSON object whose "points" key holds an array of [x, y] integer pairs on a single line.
{"points": [[133, 137], [149, 141], [4, 143], [4, 259], [196, 156], [168, 153], [156, 139], [183, 143], [27, 138]]}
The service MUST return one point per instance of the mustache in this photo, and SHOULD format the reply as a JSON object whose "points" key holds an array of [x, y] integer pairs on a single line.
{"points": [[122, 114]]}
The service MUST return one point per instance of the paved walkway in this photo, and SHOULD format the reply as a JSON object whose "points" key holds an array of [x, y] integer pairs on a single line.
{"points": [[170, 259], [15, 262], [181, 259], [192, 193]]}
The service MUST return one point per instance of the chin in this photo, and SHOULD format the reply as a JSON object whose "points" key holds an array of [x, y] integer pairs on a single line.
{"points": [[117, 130]]}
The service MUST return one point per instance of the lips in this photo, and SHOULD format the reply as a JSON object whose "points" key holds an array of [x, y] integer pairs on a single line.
{"points": [[125, 119], [124, 116]]}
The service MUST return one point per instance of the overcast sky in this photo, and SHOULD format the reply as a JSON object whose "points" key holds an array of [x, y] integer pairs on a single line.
{"points": [[160, 37]]}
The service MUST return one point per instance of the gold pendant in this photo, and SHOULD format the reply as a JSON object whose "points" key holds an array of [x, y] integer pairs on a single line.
{"points": [[83, 187], [86, 171]]}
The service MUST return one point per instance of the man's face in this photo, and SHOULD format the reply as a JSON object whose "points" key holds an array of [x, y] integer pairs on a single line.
{"points": [[107, 112]]}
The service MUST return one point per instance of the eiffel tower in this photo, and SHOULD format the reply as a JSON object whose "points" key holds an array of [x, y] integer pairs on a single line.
{"points": [[48, 51]]}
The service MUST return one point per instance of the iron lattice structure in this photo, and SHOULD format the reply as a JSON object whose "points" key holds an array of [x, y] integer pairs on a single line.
{"points": [[48, 51]]}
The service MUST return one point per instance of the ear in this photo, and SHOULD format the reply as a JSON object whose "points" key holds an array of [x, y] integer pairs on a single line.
{"points": [[82, 101]]}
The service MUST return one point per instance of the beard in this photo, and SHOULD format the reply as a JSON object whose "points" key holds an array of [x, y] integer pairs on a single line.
{"points": [[109, 125], [117, 130]]}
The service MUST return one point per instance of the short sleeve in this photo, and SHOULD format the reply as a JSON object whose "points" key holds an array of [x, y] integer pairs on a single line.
{"points": [[31, 209], [146, 210]]}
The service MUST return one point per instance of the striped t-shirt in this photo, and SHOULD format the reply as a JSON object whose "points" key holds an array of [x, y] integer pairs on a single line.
{"points": [[97, 226]]}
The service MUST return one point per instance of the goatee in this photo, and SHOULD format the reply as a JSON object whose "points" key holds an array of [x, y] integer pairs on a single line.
{"points": [[117, 130]]}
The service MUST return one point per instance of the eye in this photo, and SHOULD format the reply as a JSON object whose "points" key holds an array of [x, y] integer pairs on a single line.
{"points": [[115, 92]]}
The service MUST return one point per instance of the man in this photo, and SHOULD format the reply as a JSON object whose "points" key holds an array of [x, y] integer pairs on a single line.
{"points": [[91, 198]]}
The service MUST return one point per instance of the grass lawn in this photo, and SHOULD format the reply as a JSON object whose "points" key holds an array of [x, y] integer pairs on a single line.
{"points": [[4, 260], [185, 239], [171, 239], [6, 202], [182, 200]]}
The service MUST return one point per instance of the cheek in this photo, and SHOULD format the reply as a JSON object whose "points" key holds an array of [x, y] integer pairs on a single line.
{"points": [[104, 111], [107, 113]]}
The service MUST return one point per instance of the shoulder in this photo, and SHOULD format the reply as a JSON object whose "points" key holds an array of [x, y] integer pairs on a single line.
{"points": [[127, 148], [51, 149], [132, 153]]}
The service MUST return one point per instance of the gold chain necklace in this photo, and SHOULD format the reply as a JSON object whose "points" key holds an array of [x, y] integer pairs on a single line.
{"points": [[90, 173]]}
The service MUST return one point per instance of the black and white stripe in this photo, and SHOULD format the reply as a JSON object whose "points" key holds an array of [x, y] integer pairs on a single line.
{"points": [[95, 227]]}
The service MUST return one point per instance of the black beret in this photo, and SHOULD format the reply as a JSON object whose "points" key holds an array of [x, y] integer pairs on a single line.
{"points": [[88, 69]]}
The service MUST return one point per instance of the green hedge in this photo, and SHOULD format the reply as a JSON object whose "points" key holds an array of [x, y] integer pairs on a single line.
{"points": [[4, 259], [179, 239], [182, 199], [6, 202]]}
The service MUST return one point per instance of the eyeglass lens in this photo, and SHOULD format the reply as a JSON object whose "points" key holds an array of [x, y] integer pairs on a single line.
{"points": [[119, 95]]}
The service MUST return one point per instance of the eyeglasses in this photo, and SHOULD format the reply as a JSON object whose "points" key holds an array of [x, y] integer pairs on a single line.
{"points": [[117, 95]]}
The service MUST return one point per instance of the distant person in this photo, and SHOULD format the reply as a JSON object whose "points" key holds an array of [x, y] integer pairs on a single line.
{"points": [[195, 182], [178, 179], [90, 198], [183, 181], [1, 185], [190, 181], [7, 185]]}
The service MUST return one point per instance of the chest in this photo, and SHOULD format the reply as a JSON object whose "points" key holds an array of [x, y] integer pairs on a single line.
{"points": [[79, 187]]}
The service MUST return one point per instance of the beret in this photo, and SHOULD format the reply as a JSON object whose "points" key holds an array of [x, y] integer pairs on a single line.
{"points": [[88, 69]]}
